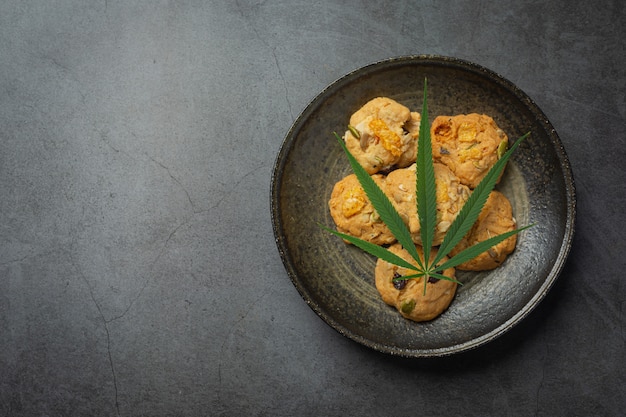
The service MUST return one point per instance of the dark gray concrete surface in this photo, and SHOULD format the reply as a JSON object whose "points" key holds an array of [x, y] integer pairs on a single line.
{"points": [[138, 270]]}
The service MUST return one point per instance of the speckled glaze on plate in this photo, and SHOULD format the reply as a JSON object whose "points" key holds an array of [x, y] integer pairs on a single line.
{"points": [[337, 280]]}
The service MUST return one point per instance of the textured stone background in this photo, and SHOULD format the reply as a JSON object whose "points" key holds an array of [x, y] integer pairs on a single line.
{"points": [[138, 270]]}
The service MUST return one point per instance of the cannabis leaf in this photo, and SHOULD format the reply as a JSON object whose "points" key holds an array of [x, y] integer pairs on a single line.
{"points": [[426, 196]]}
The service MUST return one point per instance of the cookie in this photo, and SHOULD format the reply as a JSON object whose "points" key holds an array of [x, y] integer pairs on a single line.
{"points": [[468, 144], [354, 214], [408, 296], [383, 135], [451, 196], [495, 218]]}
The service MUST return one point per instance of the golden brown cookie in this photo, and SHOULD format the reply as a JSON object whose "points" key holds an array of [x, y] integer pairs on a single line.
{"points": [[468, 144], [354, 214], [383, 135], [495, 218], [408, 296], [451, 196]]}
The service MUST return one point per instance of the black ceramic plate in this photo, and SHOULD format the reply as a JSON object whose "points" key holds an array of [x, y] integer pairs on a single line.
{"points": [[337, 280]]}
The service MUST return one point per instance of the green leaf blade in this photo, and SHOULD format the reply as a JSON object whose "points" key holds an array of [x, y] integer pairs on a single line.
{"points": [[475, 250], [372, 249], [470, 211], [408, 277], [387, 212], [426, 193], [444, 277]]}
